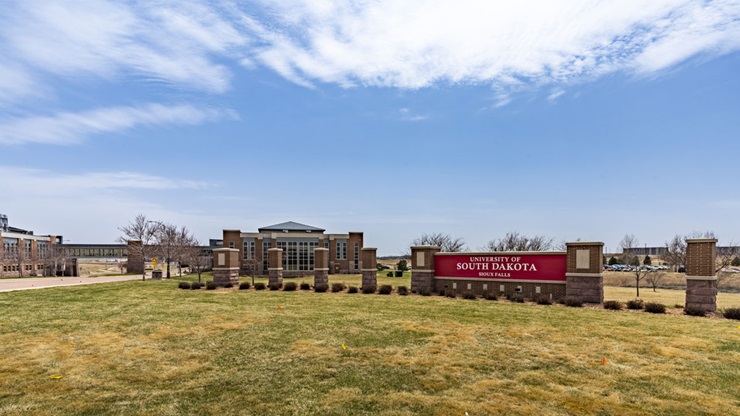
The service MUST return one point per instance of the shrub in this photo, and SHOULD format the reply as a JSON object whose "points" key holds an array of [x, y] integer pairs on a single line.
{"points": [[635, 304], [441, 292], [210, 286], [275, 286], [259, 286], [678, 306], [352, 289], [368, 289], [573, 302], [491, 296], [244, 286], [614, 305], [196, 285], [321, 288], [305, 286], [402, 290], [654, 307], [228, 285], [517, 297], [469, 296], [290, 286], [184, 285], [694, 311], [731, 313], [337, 287], [385, 289], [543, 300], [425, 292], [451, 294]]}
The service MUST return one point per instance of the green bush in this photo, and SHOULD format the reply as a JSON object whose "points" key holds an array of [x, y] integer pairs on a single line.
{"points": [[211, 286], [184, 285], [694, 311], [442, 292], [402, 290], [352, 289], [305, 286], [196, 285], [425, 292], [451, 294], [337, 287], [321, 288], [469, 296], [654, 307], [573, 302], [275, 286], [290, 286], [614, 305], [731, 313], [491, 296], [244, 286], [385, 289], [259, 286], [368, 289], [635, 304], [228, 285]]}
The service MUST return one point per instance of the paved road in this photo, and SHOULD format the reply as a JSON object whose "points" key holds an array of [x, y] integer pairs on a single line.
{"points": [[26, 283]]}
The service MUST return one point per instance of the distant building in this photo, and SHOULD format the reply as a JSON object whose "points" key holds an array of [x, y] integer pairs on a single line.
{"points": [[658, 251], [24, 254], [298, 242]]}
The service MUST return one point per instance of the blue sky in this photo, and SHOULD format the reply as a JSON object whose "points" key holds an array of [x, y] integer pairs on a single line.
{"points": [[579, 119]]}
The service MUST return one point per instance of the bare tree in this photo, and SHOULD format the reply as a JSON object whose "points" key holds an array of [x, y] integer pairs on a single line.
{"points": [[675, 250], [170, 242], [513, 241], [655, 278], [183, 240], [628, 244], [195, 257], [56, 256], [251, 263], [446, 242], [143, 230]]}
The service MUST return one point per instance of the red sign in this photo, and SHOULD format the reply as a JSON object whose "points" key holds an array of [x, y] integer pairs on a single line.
{"points": [[514, 266]]}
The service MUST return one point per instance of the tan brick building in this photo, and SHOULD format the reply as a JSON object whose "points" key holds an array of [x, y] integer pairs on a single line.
{"points": [[298, 242], [24, 254]]}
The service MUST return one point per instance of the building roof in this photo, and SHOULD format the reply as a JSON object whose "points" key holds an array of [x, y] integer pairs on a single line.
{"points": [[291, 226]]}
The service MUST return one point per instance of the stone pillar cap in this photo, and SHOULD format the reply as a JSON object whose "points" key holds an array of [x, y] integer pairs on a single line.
{"points": [[274, 249], [318, 248], [701, 240], [368, 248], [585, 243], [225, 249], [425, 247]]}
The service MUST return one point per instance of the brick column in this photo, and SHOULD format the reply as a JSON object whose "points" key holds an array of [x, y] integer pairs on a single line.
{"points": [[225, 266], [134, 262], [275, 266], [584, 278], [321, 266], [422, 269], [701, 280], [369, 275]]}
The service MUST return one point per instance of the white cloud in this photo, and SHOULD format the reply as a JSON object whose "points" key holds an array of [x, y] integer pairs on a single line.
{"points": [[71, 128], [555, 94], [416, 44], [173, 42]]}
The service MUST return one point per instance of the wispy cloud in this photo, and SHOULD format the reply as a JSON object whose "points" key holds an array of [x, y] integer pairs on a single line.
{"points": [[508, 45], [71, 128], [406, 114]]}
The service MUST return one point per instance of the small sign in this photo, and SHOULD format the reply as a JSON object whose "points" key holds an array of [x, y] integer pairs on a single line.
{"points": [[154, 262]]}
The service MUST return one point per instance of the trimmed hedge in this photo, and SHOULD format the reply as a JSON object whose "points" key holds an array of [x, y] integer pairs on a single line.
{"points": [[654, 307], [614, 305], [290, 286], [244, 286]]}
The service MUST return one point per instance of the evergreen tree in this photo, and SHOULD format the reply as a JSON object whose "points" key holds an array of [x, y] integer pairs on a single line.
{"points": [[648, 261]]}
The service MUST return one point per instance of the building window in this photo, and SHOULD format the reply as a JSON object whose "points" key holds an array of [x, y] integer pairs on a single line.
{"points": [[266, 245], [231, 244], [298, 255], [341, 250], [248, 250]]}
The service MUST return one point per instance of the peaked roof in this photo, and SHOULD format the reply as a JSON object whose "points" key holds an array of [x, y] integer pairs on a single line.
{"points": [[291, 226]]}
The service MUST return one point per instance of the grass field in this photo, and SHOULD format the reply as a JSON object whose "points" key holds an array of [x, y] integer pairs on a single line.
{"points": [[150, 348]]}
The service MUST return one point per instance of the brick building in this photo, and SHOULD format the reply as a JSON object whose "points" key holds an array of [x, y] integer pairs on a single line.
{"points": [[24, 254], [298, 242]]}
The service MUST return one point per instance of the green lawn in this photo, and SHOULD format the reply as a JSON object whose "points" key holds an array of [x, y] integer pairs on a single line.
{"points": [[150, 348]]}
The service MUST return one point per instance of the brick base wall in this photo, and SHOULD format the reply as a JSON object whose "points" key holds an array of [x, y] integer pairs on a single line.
{"points": [[701, 294], [221, 277], [370, 279], [422, 281], [321, 278], [275, 277], [587, 289], [554, 291]]}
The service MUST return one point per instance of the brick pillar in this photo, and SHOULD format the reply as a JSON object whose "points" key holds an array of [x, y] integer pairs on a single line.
{"points": [[225, 266], [321, 266], [275, 266], [584, 278], [422, 270], [701, 279], [134, 262], [369, 275]]}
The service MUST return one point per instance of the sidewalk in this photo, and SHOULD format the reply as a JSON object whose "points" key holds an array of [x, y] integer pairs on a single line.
{"points": [[27, 283]]}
